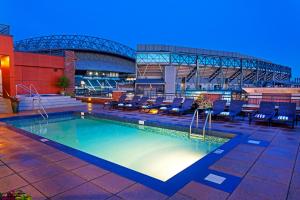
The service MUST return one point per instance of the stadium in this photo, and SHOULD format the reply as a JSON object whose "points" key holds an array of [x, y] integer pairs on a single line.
{"points": [[172, 69], [100, 64], [97, 66]]}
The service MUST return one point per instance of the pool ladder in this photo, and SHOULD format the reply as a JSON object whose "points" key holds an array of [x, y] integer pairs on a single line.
{"points": [[36, 97], [206, 122]]}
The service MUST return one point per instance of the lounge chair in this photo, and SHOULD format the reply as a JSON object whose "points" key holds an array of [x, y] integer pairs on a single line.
{"points": [[136, 105], [186, 106], [218, 107], [175, 104], [286, 113], [158, 103], [265, 112], [235, 109], [134, 100], [114, 104]]}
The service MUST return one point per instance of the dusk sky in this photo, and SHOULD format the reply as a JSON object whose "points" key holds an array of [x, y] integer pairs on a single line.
{"points": [[268, 29]]}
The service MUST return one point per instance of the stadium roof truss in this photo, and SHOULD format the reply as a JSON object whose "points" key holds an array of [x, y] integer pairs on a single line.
{"points": [[261, 72], [48, 44]]}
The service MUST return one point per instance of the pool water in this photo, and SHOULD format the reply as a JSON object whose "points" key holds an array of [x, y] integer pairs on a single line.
{"points": [[156, 152]]}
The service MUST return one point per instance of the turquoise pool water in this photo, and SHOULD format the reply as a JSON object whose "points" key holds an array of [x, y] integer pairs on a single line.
{"points": [[159, 153]]}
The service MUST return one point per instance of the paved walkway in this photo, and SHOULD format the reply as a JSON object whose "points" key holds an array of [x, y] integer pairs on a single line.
{"points": [[270, 171]]}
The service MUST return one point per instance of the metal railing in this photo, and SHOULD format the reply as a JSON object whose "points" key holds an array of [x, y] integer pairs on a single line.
{"points": [[212, 96], [4, 29], [32, 91], [207, 120], [196, 114], [7, 94], [105, 93], [42, 110]]}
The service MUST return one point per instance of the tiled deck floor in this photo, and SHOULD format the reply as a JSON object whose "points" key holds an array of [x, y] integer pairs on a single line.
{"points": [[268, 172]]}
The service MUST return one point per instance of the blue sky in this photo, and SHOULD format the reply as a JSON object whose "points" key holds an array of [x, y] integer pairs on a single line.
{"points": [[267, 29]]}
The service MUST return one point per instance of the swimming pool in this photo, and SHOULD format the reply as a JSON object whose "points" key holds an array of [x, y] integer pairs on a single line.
{"points": [[156, 152]]}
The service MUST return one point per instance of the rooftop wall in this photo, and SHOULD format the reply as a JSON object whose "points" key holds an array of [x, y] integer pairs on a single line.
{"points": [[42, 71]]}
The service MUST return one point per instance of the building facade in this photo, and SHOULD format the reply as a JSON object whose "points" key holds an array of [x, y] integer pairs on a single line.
{"points": [[172, 69], [25, 68], [95, 65], [100, 65]]}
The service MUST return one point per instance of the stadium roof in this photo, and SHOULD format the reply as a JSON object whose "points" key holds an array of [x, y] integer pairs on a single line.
{"points": [[188, 50], [189, 56], [74, 42]]}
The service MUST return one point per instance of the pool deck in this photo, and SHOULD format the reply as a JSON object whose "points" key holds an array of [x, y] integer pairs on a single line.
{"points": [[268, 170]]}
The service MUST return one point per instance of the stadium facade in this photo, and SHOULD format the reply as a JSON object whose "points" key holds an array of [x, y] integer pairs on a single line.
{"points": [[96, 65], [100, 64], [172, 69]]}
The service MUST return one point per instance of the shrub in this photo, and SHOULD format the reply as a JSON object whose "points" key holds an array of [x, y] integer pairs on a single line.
{"points": [[15, 195], [63, 82]]}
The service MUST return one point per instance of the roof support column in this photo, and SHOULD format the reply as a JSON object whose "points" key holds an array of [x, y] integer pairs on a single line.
{"points": [[242, 74], [257, 73], [197, 73]]}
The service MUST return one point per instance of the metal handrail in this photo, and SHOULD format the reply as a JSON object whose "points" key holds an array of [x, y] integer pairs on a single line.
{"points": [[32, 88], [7, 94], [24, 87], [207, 119], [34, 93], [193, 118]]}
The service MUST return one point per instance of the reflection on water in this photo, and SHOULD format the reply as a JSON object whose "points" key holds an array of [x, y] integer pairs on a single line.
{"points": [[160, 153]]}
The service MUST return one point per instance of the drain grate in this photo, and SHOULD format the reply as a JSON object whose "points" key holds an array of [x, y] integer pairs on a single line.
{"points": [[215, 178]]}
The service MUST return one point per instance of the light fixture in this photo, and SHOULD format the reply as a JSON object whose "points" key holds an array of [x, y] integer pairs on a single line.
{"points": [[153, 111], [4, 61]]}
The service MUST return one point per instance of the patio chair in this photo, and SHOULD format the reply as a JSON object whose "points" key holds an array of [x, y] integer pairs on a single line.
{"points": [[134, 100], [175, 104], [186, 106], [114, 104], [286, 113], [218, 107], [137, 104], [158, 103], [265, 112], [235, 109]]}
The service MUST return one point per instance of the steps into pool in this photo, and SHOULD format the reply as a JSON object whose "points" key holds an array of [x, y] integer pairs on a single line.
{"points": [[48, 101], [5, 105]]}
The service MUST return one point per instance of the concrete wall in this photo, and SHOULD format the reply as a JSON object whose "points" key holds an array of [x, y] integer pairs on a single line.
{"points": [[170, 79], [7, 63], [69, 70], [40, 70]]}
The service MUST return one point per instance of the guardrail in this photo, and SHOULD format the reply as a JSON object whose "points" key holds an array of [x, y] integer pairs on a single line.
{"points": [[93, 93], [210, 96], [250, 98], [4, 29]]}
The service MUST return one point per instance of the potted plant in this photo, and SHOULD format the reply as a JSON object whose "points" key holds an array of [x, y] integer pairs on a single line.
{"points": [[203, 102], [63, 83], [15, 195], [14, 104]]}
